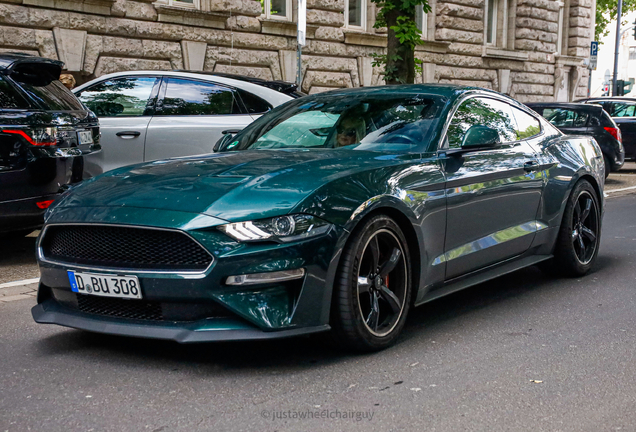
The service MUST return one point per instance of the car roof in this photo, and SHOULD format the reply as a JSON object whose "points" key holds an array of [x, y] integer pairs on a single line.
{"points": [[9, 60], [567, 105], [609, 99], [445, 90], [278, 85], [271, 95]]}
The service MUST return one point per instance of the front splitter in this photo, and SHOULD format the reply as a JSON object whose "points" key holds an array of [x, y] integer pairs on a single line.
{"points": [[50, 312]]}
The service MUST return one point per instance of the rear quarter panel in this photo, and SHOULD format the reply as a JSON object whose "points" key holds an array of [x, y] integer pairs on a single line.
{"points": [[567, 159]]}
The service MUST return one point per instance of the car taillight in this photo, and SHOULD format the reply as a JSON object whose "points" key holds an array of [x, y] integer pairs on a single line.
{"points": [[616, 133], [44, 204], [37, 137]]}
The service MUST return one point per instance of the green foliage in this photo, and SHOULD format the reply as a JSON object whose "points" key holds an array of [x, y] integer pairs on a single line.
{"points": [[606, 11], [399, 17]]}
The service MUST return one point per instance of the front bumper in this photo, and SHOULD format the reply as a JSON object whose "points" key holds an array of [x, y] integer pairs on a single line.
{"points": [[264, 311], [51, 312]]}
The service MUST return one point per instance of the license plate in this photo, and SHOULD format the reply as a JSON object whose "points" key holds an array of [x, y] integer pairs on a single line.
{"points": [[85, 137], [105, 285]]}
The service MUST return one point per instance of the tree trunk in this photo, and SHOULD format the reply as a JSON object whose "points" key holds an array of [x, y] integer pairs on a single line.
{"points": [[399, 71]]}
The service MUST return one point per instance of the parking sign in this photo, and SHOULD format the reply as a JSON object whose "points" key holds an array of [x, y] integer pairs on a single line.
{"points": [[593, 55]]}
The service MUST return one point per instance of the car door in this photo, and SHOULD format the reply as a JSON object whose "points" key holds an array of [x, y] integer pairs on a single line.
{"points": [[124, 106], [624, 114], [493, 194], [191, 117]]}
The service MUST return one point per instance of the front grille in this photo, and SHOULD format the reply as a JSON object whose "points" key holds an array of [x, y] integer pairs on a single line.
{"points": [[132, 309], [148, 310], [124, 247]]}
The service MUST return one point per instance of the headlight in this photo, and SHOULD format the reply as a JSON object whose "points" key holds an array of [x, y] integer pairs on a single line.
{"points": [[279, 229]]}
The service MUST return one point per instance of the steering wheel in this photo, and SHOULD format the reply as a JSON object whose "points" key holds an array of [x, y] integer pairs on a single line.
{"points": [[408, 139]]}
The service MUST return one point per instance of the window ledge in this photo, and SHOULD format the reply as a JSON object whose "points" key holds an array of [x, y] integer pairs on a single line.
{"points": [[359, 37], [100, 7], [190, 16], [278, 27], [433, 47], [500, 53], [563, 60]]}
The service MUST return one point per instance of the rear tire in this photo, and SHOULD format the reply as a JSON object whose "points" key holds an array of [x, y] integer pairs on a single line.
{"points": [[580, 232], [372, 290], [608, 166]]}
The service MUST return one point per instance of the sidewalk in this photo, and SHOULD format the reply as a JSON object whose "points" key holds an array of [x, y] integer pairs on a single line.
{"points": [[18, 290], [622, 182]]}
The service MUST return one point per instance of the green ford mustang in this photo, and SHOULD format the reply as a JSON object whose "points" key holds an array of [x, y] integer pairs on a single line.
{"points": [[334, 212]]}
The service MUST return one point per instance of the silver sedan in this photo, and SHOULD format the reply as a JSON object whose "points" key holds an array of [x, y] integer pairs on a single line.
{"points": [[150, 115]]}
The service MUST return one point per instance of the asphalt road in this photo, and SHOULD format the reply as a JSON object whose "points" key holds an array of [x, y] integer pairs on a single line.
{"points": [[523, 352]]}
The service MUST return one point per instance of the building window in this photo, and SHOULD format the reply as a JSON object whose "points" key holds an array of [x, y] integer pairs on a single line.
{"points": [[421, 20], [194, 4], [356, 14], [559, 47], [632, 53], [277, 9], [499, 23], [491, 21]]}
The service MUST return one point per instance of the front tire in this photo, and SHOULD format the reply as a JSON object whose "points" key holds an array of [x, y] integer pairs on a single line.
{"points": [[372, 291], [580, 233]]}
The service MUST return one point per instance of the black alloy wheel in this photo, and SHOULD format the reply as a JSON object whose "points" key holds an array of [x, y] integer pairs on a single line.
{"points": [[580, 233], [373, 289], [585, 227]]}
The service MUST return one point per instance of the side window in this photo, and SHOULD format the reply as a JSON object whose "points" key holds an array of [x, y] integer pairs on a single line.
{"points": [[189, 97], [622, 109], [561, 117], [595, 121], [9, 96], [119, 97], [253, 103], [527, 126], [607, 106], [482, 111]]}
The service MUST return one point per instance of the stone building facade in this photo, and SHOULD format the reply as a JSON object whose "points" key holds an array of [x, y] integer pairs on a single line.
{"points": [[533, 50]]}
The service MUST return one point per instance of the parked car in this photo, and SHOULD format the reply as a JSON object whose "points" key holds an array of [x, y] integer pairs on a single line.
{"points": [[44, 130], [623, 112], [587, 119], [150, 115], [338, 211]]}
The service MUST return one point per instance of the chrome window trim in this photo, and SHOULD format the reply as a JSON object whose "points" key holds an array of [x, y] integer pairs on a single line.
{"points": [[474, 94], [42, 258]]}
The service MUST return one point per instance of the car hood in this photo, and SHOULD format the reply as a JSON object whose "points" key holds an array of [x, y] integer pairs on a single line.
{"points": [[230, 186]]}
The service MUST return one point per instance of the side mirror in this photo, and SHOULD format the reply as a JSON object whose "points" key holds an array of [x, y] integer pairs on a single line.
{"points": [[226, 139], [480, 136]]}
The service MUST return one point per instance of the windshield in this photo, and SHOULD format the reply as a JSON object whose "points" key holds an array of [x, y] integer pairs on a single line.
{"points": [[362, 123], [53, 96]]}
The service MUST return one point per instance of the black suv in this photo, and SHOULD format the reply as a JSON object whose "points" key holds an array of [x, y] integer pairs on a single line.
{"points": [[44, 133], [623, 112], [587, 119]]}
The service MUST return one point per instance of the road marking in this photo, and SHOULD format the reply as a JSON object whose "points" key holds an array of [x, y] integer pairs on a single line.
{"points": [[20, 282], [620, 190]]}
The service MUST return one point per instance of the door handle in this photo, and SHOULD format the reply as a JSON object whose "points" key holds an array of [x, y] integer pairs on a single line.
{"points": [[530, 166], [128, 134]]}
